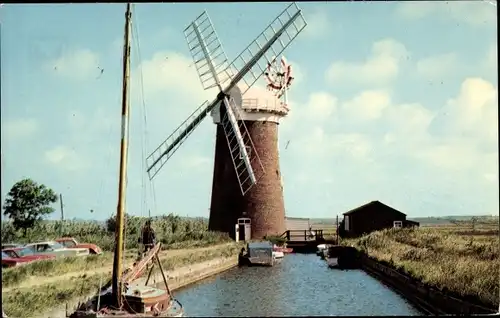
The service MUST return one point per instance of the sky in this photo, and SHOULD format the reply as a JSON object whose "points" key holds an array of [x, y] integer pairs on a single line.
{"points": [[392, 101]]}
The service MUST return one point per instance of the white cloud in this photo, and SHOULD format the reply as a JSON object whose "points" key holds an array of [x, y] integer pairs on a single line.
{"points": [[14, 129], [473, 113], [368, 105], [173, 72], [434, 68], [409, 120], [380, 68], [467, 140], [475, 13], [65, 158], [321, 106], [318, 24], [76, 64]]}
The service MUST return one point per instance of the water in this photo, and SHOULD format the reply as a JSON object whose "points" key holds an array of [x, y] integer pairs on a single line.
{"points": [[301, 285]]}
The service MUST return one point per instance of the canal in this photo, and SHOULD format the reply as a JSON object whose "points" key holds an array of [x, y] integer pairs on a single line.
{"points": [[300, 285]]}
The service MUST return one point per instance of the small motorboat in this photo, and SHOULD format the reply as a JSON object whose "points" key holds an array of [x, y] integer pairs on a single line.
{"points": [[278, 254], [320, 249], [332, 262], [257, 253]]}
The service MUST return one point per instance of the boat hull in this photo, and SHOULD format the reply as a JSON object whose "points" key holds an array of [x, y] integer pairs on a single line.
{"points": [[332, 262], [278, 255], [285, 250], [158, 303]]}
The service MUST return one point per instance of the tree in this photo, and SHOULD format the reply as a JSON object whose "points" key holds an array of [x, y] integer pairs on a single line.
{"points": [[27, 203], [111, 223]]}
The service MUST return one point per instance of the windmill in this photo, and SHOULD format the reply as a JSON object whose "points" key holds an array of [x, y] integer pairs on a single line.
{"points": [[238, 166]]}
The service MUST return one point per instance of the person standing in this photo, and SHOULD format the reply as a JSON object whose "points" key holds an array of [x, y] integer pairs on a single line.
{"points": [[148, 236]]}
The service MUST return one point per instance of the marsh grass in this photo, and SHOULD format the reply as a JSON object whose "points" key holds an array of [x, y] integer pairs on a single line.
{"points": [[172, 231], [32, 302], [464, 265], [50, 268], [35, 300]]}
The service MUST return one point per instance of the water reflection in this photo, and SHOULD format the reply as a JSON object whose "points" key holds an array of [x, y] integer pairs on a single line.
{"points": [[300, 285]]}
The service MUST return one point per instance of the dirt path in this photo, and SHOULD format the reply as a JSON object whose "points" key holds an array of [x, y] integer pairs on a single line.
{"points": [[106, 271]]}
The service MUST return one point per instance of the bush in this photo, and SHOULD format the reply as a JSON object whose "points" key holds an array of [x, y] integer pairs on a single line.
{"points": [[278, 240]]}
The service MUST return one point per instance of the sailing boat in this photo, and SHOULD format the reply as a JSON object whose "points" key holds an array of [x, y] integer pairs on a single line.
{"points": [[127, 297]]}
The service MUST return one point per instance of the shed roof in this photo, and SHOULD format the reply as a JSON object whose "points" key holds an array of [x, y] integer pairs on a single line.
{"points": [[373, 203]]}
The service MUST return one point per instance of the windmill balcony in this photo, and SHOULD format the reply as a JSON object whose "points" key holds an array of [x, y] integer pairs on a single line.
{"points": [[258, 105]]}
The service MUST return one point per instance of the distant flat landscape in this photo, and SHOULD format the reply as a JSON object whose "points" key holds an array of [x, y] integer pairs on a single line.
{"points": [[429, 220]]}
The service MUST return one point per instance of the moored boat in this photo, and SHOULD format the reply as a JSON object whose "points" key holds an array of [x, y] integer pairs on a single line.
{"points": [[332, 262], [257, 254], [282, 249], [278, 254], [320, 249]]}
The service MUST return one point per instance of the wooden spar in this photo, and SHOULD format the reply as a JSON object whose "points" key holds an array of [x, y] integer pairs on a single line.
{"points": [[117, 262]]}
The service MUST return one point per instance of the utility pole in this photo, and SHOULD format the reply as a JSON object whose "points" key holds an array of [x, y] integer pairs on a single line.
{"points": [[62, 214]]}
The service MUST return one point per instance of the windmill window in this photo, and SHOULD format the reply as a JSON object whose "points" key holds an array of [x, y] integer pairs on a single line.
{"points": [[249, 152]]}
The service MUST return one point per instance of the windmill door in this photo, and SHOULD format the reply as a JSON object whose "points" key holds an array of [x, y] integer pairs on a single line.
{"points": [[244, 229]]}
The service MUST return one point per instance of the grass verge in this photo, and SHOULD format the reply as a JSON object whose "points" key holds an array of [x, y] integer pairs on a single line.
{"points": [[466, 266], [33, 301]]}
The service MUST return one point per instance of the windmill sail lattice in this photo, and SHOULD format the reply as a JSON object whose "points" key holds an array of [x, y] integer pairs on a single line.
{"points": [[208, 55], [277, 36], [214, 71]]}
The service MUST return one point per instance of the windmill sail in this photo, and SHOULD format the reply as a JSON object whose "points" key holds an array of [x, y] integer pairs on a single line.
{"points": [[166, 149], [212, 67], [276, 37], [246, 178], [208, 54]]}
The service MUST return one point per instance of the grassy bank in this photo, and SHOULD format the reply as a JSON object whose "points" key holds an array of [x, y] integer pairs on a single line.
{"points": [[465, 264], [172, 231], [25, 297]]}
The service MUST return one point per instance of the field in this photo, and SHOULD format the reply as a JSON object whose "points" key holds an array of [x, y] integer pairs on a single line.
{"points": [[172, 231], [461, 258], [41, 286]]}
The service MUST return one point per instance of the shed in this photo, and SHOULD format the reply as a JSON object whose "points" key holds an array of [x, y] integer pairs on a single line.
{"points": [[373, 216]]}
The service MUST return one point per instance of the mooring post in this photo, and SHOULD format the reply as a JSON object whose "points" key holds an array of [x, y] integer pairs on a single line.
{"points": [[337, 231]]}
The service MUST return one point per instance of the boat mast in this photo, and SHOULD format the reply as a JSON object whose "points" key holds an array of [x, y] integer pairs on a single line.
{"points": [[117, 263]]}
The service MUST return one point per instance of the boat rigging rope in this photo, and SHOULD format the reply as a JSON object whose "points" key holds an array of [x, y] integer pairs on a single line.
{"points": [[145, 136], [145, 139]]}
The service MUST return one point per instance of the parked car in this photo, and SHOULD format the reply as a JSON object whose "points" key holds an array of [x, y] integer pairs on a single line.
{"points": [[19, 256], [10, 245], [56, 249], [70, 242]]}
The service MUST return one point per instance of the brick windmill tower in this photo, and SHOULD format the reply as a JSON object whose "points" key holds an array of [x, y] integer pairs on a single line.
{"points": [[261, 112], [247, 180]]}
